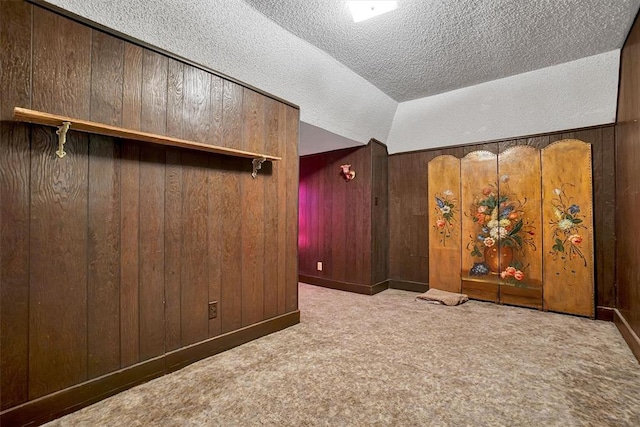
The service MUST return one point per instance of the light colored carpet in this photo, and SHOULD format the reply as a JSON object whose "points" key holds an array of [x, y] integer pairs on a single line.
{"points": [[389, 360]]}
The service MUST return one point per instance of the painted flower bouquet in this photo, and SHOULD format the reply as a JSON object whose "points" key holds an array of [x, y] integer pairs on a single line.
{"points": [[445, 214], [503, 232], [567, 225]]}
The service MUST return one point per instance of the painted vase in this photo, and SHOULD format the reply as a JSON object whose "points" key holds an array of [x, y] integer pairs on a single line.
{"points": [[498, 258]]}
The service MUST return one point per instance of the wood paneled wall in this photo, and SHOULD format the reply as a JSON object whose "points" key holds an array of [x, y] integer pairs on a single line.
{"points": [[110, 256], [628, 187], [409, 213], [340, 223]]}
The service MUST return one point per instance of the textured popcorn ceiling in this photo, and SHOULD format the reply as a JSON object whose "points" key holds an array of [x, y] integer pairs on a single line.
{"points": [[426, 47]]}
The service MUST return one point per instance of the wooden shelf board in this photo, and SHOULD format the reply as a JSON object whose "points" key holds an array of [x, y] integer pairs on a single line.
{"points": [[41, 118]]}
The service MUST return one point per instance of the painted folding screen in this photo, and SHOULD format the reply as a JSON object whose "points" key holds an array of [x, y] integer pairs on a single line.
{"points": [[524, 218]]}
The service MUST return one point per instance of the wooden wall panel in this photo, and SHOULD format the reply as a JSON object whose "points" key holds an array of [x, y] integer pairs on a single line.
{"points": [[336, 216], [130, 208], [118, 247], [132, 86], [103, 286], [253, 245], [271, 185], [15, 159], [194, 295], [290, 164], [52, 35], [281, 174], [58, 264], [58, 255], [173, 208], [379, 213], [627, 222], [194, 274], [230, 309], [152, 174], [129, 253], [408, 217], [215, 220]]}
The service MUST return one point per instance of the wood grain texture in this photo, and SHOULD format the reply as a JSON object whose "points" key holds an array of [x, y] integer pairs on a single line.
{"points": [[271, 186], [151, 252], [291, 167], [153, 113], [107, 76], [152, 174], [53, 34], [15, 159], [379, 213], [58, 264], [280, 174], [627, 223], [445, 221], [103, 286], [15, 52], [132, 86], [129, 253], [173, 208], [195, 269], [568, 268], [230, 309], [98, 237], [215, 221], [194, 290], [253, 210]]}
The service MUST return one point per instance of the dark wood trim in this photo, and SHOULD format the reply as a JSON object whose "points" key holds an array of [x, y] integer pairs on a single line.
{"points": [[126, 37], [357, 288], [187, 355], [495, 141], [604, 313], [406, 285], [55, 405], [632, 339]]}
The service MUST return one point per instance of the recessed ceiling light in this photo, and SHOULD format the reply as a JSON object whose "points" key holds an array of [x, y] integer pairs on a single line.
{"points": [[361, 10]]}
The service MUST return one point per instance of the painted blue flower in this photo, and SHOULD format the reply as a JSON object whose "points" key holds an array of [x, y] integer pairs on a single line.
{"points": [[480, 237], [479, 269], [440, 202], [574, 209], [506, 211], [485, 229]]}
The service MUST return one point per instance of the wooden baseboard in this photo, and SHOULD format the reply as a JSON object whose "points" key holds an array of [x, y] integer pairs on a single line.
{"points": [[604, 313], [406, 285], [357, 288], [632, 339], [55, 405]]}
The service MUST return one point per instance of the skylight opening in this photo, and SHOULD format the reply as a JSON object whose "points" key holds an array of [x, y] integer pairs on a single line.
{"points": [[362, 10]]}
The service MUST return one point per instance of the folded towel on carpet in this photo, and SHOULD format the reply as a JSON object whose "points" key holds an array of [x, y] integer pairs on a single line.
{"points": [[443, 297]]}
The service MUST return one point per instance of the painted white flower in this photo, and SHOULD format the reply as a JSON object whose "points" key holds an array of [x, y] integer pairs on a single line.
{"points": [[498, 232], [493, 223], [448, 193], [445, 209], [505, 222], [557, 191], [504, 178], [565, 224]]}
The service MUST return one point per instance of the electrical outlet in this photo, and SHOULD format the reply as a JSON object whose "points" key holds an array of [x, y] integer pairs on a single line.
{"points": [[213, 309], [319, 266]]}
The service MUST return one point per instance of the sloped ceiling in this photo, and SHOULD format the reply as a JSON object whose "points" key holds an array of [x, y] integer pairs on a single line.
{"points": [[427, 47]]}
